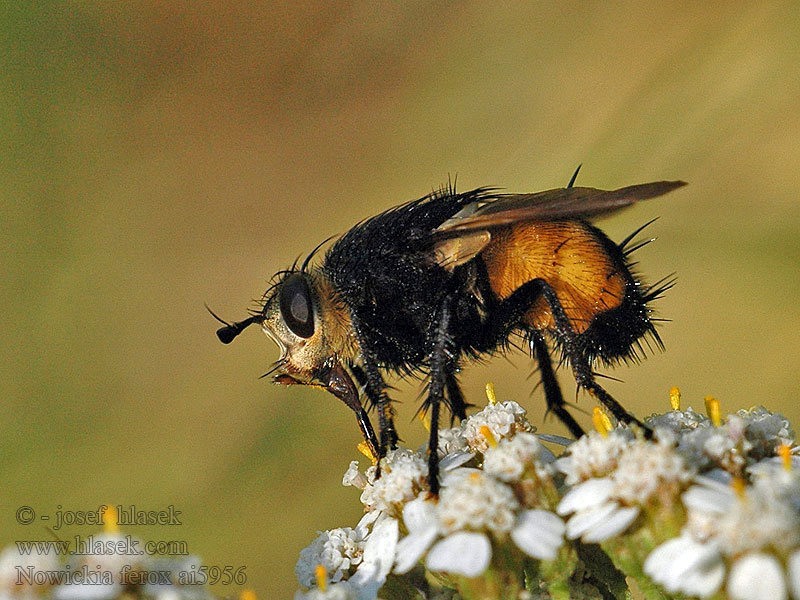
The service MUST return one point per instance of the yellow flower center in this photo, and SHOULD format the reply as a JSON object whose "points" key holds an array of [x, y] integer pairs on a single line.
{"points": [[487, 433], [490, 393], [713, 410], [322, 577], [785, 452], [601, 421], [675, 398]]}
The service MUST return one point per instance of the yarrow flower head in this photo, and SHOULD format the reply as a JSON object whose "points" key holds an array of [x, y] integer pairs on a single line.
{"points": [[749, 532], [349, 563], [404, 474], [741, 440], [509, 458], [711, 505], [337, 550], [451, 440], [594, 455], [473, 508], [638, 473], [503, 420]]}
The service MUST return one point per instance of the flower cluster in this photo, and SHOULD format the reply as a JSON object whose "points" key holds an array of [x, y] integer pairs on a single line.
{"points": [[496, 479], [615, 476], [709, 505], [743, 439], [749, 532]]}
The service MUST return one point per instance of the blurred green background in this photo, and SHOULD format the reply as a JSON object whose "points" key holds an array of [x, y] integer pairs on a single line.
{"points": [[157, 156]]}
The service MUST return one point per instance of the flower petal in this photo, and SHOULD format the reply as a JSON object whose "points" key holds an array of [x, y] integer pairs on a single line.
{"points": [[378, 557], [411, 548], [462, 553], [659, 562], [585, 520], [616, 523], [710, 496], [539, 533], [794, 573], [456, 459], [703, 583], [419, 514], [368, 519], [682, 564], [585, 495], [757, 577]]}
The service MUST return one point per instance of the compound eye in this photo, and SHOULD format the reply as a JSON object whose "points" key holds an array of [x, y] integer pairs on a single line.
{"points": [[296, 308]]}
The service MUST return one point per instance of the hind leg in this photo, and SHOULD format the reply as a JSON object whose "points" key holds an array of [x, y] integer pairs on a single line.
{"points": [[552, 391], [455, 398], [513, 308], [581, 367]]}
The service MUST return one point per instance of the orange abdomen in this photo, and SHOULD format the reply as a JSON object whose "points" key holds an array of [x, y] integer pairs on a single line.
{"points": [[569, 256]]}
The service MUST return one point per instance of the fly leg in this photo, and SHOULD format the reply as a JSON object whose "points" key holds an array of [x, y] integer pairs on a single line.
{"points": [[455, 398], [581, 367], [441, 364], [376, 392], [552, 391], [507, 315], [512, 310]]}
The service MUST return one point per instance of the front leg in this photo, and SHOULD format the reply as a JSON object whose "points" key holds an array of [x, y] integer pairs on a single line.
{"points": [[441, 361], [376, 392]]}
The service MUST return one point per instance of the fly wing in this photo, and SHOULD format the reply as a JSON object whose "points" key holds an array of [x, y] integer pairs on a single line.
{"points": [[464, 235], [551, 205]]}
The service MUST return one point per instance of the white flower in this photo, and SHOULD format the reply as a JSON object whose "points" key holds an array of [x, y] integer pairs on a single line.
{"points": [[337, 550], [538, 533], [593, 455], [763, 516], [11, 559], [503, 419], [353, 477], [744, 529], [377, 560], [461, 553], [334, 591], [472, 506], [606, 506], [685, 565], [757, 577], [709, 495], [450, 440], [744, 438], [645, 468], [403, 476], [765, 431], [358, 557], [419, 517], [597, 516], [773, 466], [508, 460], [678, 421], [470, 499]]}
